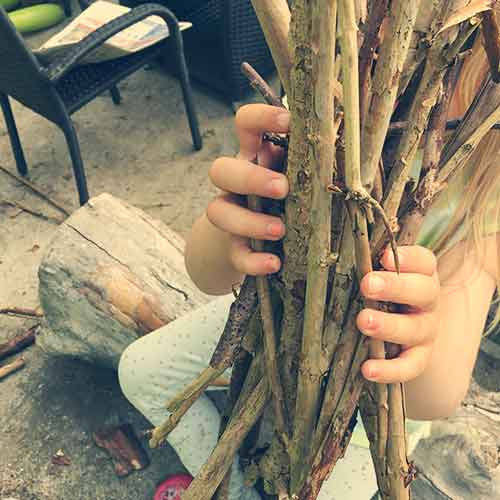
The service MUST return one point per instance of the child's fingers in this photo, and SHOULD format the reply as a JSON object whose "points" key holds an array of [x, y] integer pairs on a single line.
{"points": [[407, 366], [253, 120], [246, 261], [412, 259], [405, 329], [243, 177], [416, 290], [227, 215]]}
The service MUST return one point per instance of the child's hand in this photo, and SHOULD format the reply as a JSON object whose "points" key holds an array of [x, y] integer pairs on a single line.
{"points": [[239, 176], [417, 287]]}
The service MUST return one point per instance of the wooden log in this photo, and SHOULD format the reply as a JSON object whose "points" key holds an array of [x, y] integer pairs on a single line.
{"points": [[124, 448], [110, 275]]}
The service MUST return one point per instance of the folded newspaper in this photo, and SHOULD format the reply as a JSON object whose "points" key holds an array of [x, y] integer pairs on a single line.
{"points": [[137, 37]]}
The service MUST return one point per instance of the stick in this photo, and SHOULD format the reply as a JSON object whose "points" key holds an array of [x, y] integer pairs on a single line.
{"points": [[30, 211], [6, 370], [269, 337], [480, 118], [399, 127], [352, 144], [229, 344], [37, 191], [220, 382], [221, 459], [491, 40], [21, 312], [266, 315], [363, 253], [260, 85], [300, 163], [393, 478], [313, 363], [204, 380], [274, 18], [18, 343], [428, 186], [263, 290], [241, 366], [161, 432], [371, 40], [334, 444], [124, 448], [467, 148], [393, 54], [340, 368]]}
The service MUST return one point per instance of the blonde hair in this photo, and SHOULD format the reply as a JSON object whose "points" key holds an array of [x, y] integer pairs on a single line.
{"points": [[480, 202]]}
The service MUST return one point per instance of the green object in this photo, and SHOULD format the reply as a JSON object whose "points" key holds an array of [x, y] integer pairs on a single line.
{"points": [[36, 17], [9, 4]]}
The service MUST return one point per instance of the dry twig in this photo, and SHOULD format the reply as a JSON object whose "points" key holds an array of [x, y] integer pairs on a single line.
{"points": [[274, 17], [491, 39], [16, 365], [37, 191], [21, 312], [31, 211], [313, 363], [19, 342]]}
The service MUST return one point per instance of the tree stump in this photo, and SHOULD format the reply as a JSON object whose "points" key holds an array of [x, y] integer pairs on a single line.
{"points": [[110, 275]]}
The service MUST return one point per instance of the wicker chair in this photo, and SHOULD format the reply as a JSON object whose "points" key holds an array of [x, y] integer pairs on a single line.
{"points": [[57, 90], [225, 33]]}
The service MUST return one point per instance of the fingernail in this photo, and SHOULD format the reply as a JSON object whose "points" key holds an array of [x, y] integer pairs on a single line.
{"points": [[275, 229], [375, 284], [372, 373], [277, 187], [273, 264], [283, 120], [371, 322]]}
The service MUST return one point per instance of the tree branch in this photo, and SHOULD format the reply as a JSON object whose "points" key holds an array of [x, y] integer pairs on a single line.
{"points": [[313, 363], [392, 57], [221, 459], [274, 18]]}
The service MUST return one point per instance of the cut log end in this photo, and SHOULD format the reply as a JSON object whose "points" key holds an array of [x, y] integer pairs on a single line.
{"points": [[110, 275]]}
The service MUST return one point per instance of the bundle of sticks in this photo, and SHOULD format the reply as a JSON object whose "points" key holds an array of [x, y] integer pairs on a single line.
{"points": [[369, 83]]}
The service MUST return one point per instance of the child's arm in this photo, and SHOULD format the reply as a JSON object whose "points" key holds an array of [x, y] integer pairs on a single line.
{"points": [[466, 292], [218, 254], [208, 258], [439, 333]]}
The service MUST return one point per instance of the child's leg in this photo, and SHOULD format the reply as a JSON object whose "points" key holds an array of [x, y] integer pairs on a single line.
{"points": [[159, 365]]}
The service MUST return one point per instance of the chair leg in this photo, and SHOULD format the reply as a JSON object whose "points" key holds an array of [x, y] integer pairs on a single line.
{"points": [[67, 7], [17, 149], [186, 90], [115, 95], [76, 158]]}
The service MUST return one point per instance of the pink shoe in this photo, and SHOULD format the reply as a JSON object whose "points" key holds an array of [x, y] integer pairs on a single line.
{"points": [[172, 487]]}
